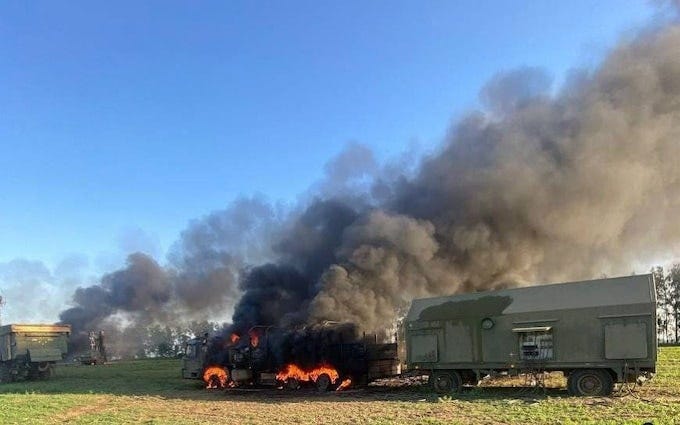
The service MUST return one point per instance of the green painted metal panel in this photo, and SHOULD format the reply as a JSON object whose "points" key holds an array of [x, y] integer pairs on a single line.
{"points": [[625, 341], [424, 348]]}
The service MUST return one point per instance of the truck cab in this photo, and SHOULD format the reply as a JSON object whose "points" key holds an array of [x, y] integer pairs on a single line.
{"points": [[194, 358]]}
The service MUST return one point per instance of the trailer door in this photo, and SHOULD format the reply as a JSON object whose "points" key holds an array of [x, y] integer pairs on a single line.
{"points": [[423, 347], [625, 341]]}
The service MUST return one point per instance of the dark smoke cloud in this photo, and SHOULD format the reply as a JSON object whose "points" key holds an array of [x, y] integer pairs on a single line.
{"points": [[510, 91], [348, 176], [142, 289], [541, 185], [310, 243], [273, 295], [537, 188], [211, 253], [200, 282]]}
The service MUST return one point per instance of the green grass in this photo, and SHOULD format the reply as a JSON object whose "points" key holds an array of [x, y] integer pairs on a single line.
{"points": [[150, 391]]}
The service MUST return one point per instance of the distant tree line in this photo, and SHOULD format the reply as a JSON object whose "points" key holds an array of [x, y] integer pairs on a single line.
{"points": [[155, 340], [667, 303], [170, 341]]}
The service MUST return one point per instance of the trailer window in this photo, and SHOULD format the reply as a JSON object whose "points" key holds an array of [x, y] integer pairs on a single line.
{"points": [[535, 343]]}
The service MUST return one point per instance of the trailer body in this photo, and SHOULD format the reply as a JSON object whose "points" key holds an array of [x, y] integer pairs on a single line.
{"points": [[30, 350], [597, 332]]}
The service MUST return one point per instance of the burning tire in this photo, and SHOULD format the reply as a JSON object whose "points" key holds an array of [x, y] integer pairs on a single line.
{"points": [[215, 377], [323, 382], [292, 384], [445, 381], [590, 382]]}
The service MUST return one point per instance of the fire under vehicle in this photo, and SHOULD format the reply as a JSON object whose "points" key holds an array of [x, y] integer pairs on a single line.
{"points": [[263, 358], [30, 351], [597, 333]]}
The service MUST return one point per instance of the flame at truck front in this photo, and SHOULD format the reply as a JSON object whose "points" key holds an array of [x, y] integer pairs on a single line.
{"points": [[215, 377]]}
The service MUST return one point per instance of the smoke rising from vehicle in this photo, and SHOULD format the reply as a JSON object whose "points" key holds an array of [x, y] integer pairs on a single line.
{"points": [[541, 185], [535, 188]]}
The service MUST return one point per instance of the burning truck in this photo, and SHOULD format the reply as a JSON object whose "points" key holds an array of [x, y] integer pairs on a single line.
{"points": [[597, 333], [328, 357]]}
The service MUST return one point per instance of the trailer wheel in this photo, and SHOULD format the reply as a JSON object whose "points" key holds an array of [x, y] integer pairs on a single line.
{"points": [[323, 382], [446, 381], [590, 382]]}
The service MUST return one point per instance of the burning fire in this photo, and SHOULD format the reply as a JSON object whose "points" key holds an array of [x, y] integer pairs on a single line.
{"points": [[215, 377], [234, 338], [254, 338], [294, 371], [344, 384]]}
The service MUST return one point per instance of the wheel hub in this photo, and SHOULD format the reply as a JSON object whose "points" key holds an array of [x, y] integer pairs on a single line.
{"points": [[590, 384]]}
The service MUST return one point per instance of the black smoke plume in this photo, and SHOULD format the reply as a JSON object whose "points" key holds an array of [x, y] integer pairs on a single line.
{"points": [[540, 185]]}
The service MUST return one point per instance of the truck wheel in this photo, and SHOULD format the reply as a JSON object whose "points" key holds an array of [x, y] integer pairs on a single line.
{"points": [[292, 384], [590, 382], [45, 374], [323, 382], [5, 374], [446, 381]]}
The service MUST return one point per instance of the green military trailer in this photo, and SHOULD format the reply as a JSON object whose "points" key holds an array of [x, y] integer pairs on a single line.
{"points": [[597, 332], [30, 350]]}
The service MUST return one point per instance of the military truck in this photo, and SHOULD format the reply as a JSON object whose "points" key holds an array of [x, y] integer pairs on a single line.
{"points": [[257, 359], [29, 351], [96, 353], [597, 332], [193, 360]]}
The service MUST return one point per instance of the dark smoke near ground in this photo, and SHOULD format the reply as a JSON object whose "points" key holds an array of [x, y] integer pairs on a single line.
{"points": [[539, 186]]}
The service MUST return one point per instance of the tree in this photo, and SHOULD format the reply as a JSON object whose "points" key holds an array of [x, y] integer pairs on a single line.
{"points": [[673, 282], [662, 305]]}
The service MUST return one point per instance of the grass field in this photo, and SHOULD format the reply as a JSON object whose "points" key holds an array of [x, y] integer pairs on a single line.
{"points": [[149, 391]]}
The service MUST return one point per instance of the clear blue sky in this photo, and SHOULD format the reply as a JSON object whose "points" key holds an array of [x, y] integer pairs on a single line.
{"points": [[117, 116]]}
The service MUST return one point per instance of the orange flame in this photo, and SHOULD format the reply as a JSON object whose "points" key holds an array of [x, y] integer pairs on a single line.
{"points": [[294, 371], [215, 377], [344, 384], [234, 338], [254, 338], [331, 372]]}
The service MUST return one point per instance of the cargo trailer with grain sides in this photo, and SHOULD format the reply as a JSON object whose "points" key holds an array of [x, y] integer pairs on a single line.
{"points": [[30, 351], [598, 333]]}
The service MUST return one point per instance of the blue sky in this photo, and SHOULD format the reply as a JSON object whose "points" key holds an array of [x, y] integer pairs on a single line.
{"points": [[122, 121]]}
